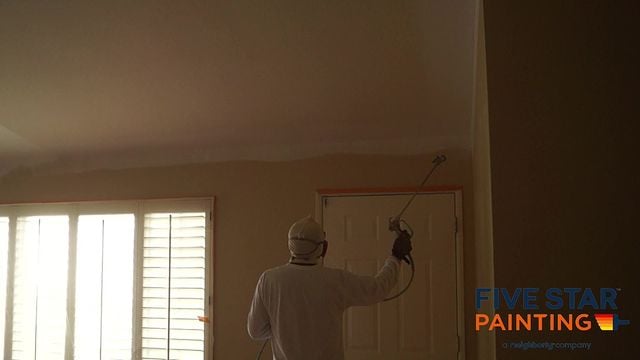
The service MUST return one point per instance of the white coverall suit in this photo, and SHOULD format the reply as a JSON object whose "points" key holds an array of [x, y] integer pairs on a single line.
{"points": [[300, 307]]}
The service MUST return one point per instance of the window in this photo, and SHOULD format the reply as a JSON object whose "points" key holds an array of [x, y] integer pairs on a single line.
{"points": [[104, 286], [4, 243], [173, 285], [106, 280], [40, 287]]}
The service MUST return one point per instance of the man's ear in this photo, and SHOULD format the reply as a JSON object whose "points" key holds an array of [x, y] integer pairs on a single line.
{"points": [[325, 246]]}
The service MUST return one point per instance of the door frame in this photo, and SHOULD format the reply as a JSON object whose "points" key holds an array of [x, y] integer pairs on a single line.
{"points": [[456, 191]]}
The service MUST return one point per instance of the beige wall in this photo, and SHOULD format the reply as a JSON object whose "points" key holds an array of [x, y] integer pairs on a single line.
{"points": [[255, 204]]}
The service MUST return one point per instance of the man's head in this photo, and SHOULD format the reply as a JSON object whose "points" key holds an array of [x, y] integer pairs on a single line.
{"points": [[307, 240]]}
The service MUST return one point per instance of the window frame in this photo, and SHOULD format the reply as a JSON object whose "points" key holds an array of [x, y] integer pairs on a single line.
{"points": [[136, 207]]}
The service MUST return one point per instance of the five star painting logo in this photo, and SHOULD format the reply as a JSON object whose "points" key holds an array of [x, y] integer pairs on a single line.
{"points": [[609, 322], [535, 309]]}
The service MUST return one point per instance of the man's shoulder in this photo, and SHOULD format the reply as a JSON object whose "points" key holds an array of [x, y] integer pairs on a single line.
{"points": [[274, 270]]}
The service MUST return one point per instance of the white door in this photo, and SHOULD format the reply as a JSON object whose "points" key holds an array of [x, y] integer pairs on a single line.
{"points": [[424, 322]]}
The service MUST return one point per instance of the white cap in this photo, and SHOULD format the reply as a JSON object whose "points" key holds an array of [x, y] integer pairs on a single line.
{"points": [[305, 238]]}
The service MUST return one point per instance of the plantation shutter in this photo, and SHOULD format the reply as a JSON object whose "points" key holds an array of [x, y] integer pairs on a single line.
{"points": [[39, 293], [173, 294], [4, 260], [104, 287]]}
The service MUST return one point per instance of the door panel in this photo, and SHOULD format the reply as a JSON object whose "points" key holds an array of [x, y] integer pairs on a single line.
{"points": [[363, 322], [422, 323]]}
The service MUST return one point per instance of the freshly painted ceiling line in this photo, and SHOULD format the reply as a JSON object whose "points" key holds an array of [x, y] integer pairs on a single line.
{"points": [[277, 152]]}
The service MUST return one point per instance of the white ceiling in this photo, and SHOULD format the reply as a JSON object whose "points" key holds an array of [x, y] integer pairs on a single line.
{"points": [[87, 84]]}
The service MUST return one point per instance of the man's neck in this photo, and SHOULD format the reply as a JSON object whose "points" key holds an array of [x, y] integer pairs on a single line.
{"points": [[304, 262]]}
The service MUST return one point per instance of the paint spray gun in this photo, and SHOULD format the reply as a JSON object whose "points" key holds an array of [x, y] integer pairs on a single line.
{"points": [[402, 229]]}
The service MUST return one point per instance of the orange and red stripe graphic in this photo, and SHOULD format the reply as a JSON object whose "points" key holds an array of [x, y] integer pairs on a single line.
{"points": [[605, 321]]}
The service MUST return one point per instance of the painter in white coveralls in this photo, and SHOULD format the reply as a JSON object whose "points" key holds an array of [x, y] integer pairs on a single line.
{"points": [[299, 305]]}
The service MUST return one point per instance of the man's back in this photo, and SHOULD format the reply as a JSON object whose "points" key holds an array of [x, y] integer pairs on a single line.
{"points": [[300, 307]]}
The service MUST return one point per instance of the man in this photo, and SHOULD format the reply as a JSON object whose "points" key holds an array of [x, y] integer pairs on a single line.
{"points": [[299, 305]]}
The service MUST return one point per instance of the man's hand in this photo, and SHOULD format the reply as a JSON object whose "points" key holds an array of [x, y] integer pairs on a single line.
{"points": [[402, 246]]}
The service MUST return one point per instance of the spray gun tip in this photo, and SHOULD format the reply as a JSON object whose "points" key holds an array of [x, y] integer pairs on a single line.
{"points": [[439, 159]]}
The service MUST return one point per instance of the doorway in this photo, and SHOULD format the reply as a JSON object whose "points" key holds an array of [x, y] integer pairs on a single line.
{"points": [[426, 322]]}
